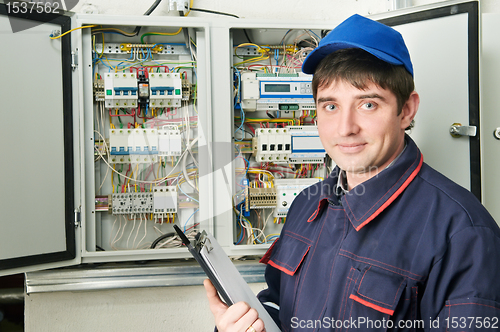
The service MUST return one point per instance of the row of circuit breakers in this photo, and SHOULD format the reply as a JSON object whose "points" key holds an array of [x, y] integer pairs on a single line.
{"points": [[144, 145], [132, 90]]}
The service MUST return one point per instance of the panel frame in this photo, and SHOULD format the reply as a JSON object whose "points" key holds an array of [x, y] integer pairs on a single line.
{"points": [[71, 255]]}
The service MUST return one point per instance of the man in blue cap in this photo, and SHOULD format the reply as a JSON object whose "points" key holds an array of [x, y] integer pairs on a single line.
{"points": [[385, 242]]}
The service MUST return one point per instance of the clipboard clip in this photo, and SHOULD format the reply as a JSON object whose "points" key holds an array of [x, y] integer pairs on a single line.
{"points": [[203, 240]]}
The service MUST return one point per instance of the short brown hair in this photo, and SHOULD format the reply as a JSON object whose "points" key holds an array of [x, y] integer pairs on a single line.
{"points": [[357, 67]]}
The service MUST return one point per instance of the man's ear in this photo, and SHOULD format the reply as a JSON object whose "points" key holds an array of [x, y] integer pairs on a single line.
{"points": [[409, 110]]}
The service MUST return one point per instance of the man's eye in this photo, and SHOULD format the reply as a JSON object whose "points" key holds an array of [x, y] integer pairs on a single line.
{"points": [[330, 107], [369, 106]]}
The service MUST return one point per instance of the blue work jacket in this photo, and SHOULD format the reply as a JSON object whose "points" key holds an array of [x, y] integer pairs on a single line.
{"points": [[407, 250]]}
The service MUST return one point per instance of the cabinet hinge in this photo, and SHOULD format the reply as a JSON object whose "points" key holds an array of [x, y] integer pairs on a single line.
{"points": [[78, 220], [74, 60]]}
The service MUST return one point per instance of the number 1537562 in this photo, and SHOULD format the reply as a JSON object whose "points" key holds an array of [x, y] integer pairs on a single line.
{"points": [[21, 7]]}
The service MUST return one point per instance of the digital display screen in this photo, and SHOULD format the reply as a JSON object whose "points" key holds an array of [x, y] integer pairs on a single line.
{"points": [[277, 87]]}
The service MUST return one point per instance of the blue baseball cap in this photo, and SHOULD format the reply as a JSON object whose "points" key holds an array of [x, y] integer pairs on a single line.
{"points": [[360, 32]]}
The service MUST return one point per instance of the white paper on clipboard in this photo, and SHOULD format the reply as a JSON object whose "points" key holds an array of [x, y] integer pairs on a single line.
{"points": [[232, 281]]}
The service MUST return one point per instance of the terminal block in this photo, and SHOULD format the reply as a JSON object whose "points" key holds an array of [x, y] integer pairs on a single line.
{"points": [[165, 90], [130, 203], [142, 202], [164, 200], [120, 203], [261, 198], [186, 89], [99, 89], [120, 90]]}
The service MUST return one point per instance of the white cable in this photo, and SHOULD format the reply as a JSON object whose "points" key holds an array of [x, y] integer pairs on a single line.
{"points": [[114, 239], [111, 232], [131, 231], [148, 182], [145, 231], [184, 170], [137, 233]]}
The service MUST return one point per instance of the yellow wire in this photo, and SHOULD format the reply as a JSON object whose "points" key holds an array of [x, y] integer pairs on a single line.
{"points": [[112, 176], [259, 49], [166, 33], [190, 5], [251, 60], [114, 29], [64, 34]]}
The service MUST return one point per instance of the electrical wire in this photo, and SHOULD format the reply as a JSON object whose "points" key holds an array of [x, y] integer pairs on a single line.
{"points": [[213, 12], [160, 34], [161, 238], [69, 31]]}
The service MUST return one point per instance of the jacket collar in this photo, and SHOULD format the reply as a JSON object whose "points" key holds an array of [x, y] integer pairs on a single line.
{"points": [[367, 200]]}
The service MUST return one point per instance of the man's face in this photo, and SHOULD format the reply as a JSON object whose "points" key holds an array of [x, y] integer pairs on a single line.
{"points": [[360, 129]]}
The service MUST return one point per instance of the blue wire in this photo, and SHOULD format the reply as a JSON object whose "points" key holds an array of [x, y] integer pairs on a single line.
{"points": [[248, 166], [272, 238], [242, 113], [283, 42], [315, 34], [170, 44], [180, 188], [190, 218], [241, 231]]}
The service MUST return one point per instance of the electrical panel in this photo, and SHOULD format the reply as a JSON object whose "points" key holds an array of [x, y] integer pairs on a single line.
{"points": [[146, 118], [275, 132], [208, 124]]}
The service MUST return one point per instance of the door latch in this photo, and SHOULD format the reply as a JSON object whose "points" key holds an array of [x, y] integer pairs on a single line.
{"points": [[457, 130], [496, 133]]}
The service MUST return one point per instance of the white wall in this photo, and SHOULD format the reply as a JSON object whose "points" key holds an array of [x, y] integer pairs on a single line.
{"points": [[177, 308], [324, 10]]}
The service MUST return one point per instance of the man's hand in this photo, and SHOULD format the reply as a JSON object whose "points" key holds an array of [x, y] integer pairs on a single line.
{"points": [[236, 318]]}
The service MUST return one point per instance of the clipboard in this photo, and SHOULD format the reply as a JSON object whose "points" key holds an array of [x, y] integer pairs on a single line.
{"points": [[224, 275]]}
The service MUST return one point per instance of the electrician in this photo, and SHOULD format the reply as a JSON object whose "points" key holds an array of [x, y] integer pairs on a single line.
{"points": [[385, 242]]}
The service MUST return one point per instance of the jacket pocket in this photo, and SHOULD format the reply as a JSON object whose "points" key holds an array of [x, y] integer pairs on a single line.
{"points": [[373, 299], [288, 256], [292, 249]]}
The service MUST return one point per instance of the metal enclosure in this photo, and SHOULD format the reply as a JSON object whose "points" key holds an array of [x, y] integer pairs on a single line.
{"points": [[101, 229]]}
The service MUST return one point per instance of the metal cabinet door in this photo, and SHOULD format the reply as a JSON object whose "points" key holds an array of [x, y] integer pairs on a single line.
{"points": [[444, 47], [37, 223]]}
